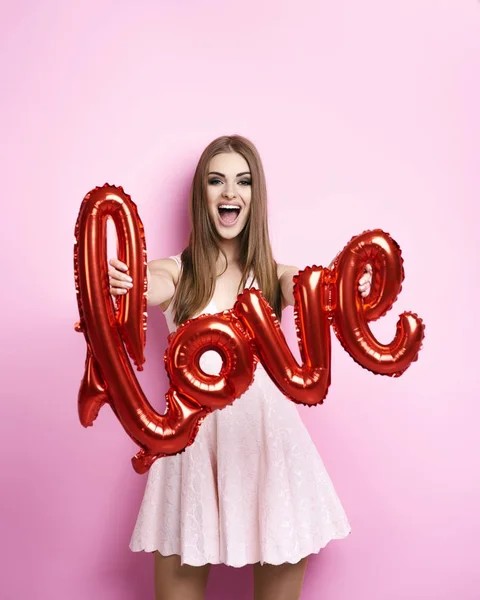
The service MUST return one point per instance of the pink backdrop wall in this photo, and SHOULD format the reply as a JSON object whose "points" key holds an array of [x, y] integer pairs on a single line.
{"points": [[366, 115]]}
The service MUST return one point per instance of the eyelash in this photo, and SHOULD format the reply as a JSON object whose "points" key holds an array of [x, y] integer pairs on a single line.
{"points": [[217, 181]]}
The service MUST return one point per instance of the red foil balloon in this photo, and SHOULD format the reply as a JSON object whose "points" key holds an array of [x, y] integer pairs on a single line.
{"points": [[306, 383], [248, 332], [351, 314], [109, 376], [224, 334]]}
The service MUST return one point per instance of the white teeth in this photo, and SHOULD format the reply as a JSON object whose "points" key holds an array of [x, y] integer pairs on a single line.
{"points": [[229, 207]]}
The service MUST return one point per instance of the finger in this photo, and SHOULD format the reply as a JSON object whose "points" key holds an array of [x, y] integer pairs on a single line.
{"points": [[118, 264], [118, 275], [365, 280], [117, 291], [365, 290], [115, 283]]}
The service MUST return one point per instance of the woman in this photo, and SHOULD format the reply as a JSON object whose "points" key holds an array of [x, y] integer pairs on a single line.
{"points": [[252, 488]]}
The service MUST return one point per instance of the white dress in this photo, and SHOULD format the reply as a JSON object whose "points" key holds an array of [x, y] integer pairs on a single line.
{"points": [[251, 488]]}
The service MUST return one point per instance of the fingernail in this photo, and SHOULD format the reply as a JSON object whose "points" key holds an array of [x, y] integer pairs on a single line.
{"points": [[128, 278], [130, 285]]}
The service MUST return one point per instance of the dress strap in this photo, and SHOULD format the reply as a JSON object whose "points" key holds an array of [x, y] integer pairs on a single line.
{"points": [[178, 259], [251, 281]]}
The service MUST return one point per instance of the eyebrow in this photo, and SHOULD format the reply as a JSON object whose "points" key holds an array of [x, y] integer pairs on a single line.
{"points": [[222, 175]]}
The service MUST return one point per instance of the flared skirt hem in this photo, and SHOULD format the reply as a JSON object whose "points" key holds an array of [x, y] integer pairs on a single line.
{"points": [[308, 550]]}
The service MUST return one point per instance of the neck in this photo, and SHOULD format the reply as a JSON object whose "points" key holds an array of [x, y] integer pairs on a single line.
{"points": [[231, 249]]}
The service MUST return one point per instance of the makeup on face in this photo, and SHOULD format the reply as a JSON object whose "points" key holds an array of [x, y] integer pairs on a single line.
{"points": [[229, 192]]}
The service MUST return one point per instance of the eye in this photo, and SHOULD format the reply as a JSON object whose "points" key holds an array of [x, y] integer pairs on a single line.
{"points": [[215, 181], [245, 182]]}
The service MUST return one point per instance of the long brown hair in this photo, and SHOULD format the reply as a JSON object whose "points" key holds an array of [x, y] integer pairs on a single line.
{"points": [[196, 285]]}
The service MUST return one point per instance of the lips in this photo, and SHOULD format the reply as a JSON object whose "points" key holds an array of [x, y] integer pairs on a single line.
{"points": [[228, 214]]}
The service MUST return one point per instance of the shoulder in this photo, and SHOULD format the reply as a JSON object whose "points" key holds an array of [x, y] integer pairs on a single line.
{"points": [[166, 266], [286, 271]]}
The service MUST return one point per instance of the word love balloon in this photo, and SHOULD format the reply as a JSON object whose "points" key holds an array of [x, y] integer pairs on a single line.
{"points": [[248, 333]]}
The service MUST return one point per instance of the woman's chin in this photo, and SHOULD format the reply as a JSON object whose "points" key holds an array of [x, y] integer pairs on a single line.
{"points": [[229, 233]]}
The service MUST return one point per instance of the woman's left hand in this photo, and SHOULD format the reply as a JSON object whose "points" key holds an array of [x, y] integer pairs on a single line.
{"points": [[365, 283]]}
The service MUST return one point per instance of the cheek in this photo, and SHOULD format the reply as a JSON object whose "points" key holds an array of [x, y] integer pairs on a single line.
{"points": [[211, 201], [211, 211], [247, 198], [210, 195]]}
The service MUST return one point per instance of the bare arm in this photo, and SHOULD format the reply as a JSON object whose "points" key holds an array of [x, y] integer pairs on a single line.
{"points": [[162, 276], [286, 274]]}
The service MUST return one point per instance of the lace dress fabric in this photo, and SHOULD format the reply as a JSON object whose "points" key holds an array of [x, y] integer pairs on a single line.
{"points": [[251, 488]]}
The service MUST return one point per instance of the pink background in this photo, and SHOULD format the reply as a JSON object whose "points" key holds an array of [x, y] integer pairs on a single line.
{"points": [[366, 115]]}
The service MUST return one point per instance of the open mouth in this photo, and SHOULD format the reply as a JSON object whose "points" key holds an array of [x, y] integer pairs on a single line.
{"points": [[228, 214]]}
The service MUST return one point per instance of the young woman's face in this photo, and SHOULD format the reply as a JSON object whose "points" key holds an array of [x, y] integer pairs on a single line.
{"points": [[229, 193]]}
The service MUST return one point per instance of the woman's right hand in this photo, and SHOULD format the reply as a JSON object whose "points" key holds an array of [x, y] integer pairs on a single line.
{"points": [[162, 276], [119, 281]]}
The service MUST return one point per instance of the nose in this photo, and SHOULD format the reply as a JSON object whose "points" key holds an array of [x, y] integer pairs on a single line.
{"points": [[229, 191]]}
